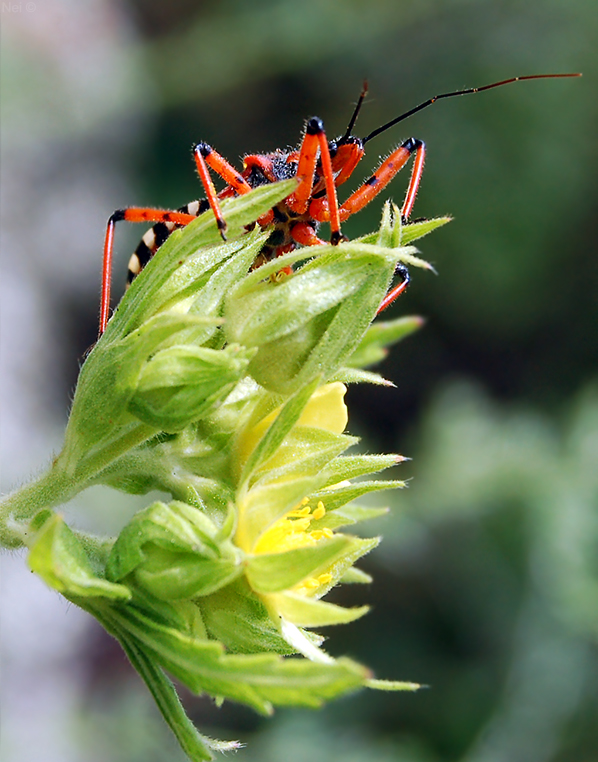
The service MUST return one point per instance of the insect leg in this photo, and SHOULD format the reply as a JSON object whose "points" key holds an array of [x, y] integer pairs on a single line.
{"points": [[305, 235], [315, 137], [306, 166], [384, 174], [397, 290], [205, 156], [131, 214]]}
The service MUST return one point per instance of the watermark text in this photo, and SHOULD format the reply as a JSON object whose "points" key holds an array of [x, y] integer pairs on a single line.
{"points": [[17, 7]]}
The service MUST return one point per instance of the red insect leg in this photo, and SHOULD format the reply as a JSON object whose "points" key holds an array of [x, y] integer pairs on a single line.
{"points": [[305, 235], [306, 167], [393, 164], [416, 176], [384, 174], [315, 137], [335, 223], [205, 156], [396, 291], [344, 161], [132, 214]]}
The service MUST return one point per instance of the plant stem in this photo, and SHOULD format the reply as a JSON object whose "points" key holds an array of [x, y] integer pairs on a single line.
{"points": [[53, 488]]}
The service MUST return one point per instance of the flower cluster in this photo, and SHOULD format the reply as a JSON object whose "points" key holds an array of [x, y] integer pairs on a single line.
{"points": [[223, 387]]}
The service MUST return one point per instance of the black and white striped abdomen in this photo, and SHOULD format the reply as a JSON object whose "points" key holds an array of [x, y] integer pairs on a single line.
{"points": [[155, 237]]}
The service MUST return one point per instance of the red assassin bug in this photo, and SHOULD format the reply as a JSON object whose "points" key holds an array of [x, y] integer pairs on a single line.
{"points": [[319, 164]]}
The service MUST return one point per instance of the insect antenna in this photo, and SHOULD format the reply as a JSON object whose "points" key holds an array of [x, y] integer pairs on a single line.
{"points": [[355, 114], [467, 91]]}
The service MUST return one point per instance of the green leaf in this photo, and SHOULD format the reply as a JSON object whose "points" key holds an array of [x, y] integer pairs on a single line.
{"points": [[175, 551], [208, 286], [257, 680], [142, 299], [203, 280], [355, 513], [243, 210], [389, 232], [408, 258], [322, 345], [237, 617], [380, 335], [357, 376], [414, 230], [311, 321], [346, 516], [58, 557], [171, 576], [333, 498], [351, 466], [307, 612], [196, 746], [355, 576], [275, 572], [273, 310], [100, 427], [361, 546], [392, 685], [306, 450], [182, 615], [393, 233]]}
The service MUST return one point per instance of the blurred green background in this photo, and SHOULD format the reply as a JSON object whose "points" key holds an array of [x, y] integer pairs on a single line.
{"points": [[486, 586]]}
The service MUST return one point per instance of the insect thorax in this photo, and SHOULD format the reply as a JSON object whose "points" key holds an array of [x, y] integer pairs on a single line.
{"points": [[273, 167]]}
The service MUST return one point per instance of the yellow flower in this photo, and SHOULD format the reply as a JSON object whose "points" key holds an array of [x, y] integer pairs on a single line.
{"points": [[325, 410], [292, 532], [293, 555]]}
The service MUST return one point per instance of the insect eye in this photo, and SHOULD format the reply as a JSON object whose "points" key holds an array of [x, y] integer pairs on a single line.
{"points": [[347, 140]]}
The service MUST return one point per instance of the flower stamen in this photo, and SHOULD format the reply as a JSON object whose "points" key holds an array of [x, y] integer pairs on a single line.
{"points": [[320, 511], [291, 531]]}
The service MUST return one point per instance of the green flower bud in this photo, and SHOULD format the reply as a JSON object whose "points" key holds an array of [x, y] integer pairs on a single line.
{"points": [[310, 322], [172, 309], [173, 552], [182, 384]]}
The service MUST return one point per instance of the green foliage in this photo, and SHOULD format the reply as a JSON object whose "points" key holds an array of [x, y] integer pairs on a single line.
{"points": [[194, 389], [515, 308]]}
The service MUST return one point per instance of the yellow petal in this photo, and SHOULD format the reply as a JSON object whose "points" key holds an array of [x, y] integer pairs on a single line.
{"points": [[326, 409]]}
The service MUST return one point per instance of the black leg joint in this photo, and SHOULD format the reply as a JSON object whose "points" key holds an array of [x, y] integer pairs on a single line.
{"points": [[314, 126], [337, 237], [203, 148], [412, 144], [116, 216], [403, 272]]}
